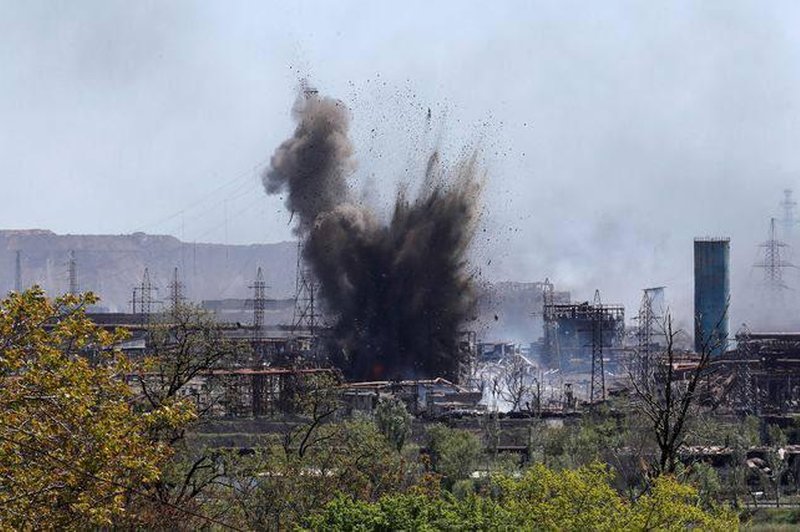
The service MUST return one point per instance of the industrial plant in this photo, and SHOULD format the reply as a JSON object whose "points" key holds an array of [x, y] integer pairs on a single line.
{"points": [[582, 352]]}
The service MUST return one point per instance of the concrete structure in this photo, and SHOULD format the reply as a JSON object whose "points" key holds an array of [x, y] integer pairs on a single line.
{"points": [[711, 294]]}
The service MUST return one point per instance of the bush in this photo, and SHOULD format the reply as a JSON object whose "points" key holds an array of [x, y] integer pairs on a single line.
{"points": [[543, 499], [454, 453]]}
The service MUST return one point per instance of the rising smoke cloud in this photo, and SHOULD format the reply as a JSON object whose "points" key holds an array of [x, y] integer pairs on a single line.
{"points": [[399, 291]]}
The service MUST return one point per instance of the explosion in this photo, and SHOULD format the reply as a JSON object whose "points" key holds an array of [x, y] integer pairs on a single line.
{"points": [[399, 292]]}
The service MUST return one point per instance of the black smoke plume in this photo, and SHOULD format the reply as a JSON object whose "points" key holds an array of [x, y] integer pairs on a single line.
{"points": [[399, 292]]}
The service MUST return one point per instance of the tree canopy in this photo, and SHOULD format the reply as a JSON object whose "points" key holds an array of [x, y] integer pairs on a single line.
{"points": [[74, 449]]}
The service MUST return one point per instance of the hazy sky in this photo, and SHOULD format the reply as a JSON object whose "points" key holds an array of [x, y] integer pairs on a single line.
{"points": [[612, 132]]}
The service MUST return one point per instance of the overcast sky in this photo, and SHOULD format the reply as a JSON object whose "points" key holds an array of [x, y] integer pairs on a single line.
{"points": [[612, 132]]}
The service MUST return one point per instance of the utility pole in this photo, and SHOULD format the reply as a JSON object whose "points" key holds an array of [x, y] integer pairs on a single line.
{"points": [[18, 273], [73, 274], [597, 390]]}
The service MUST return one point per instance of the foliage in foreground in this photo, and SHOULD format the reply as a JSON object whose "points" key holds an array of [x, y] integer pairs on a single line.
{"points": [[542, 499], [74, 450]]}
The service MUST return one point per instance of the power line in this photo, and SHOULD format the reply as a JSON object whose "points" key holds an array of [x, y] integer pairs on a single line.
{"points": [[209, 195]]}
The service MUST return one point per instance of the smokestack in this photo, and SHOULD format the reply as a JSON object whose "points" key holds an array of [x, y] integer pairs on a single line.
{"points": [[711, 294]]}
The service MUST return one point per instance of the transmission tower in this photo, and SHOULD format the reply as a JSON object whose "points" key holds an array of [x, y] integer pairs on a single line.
{"points": [[176, 292], [18, 273], [647, 331], [305, 306], [789, 222], [773, 264], [73, 273], [143, 300], [597, 390], [259, 303]]}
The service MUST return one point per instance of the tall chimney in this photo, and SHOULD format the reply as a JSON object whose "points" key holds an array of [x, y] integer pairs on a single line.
{"points": [[711, 294]]}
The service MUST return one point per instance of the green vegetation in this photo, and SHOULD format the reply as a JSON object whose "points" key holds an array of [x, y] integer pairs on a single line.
{"points": [[89, 439], [542, 499], [75, 451]]}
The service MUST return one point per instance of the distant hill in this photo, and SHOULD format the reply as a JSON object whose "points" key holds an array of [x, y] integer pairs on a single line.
{"points": [[111, 265]]}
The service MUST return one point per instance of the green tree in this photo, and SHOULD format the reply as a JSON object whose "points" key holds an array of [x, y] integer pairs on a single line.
{"points": [[184, 347], [274, 490], [670, 505], [777, 459], [542, 499], [393, 421], [705, 477], [74, 452], [454, 453]]}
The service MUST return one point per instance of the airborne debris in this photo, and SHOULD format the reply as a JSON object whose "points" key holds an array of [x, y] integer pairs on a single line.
{"points": [[399, 291]]}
